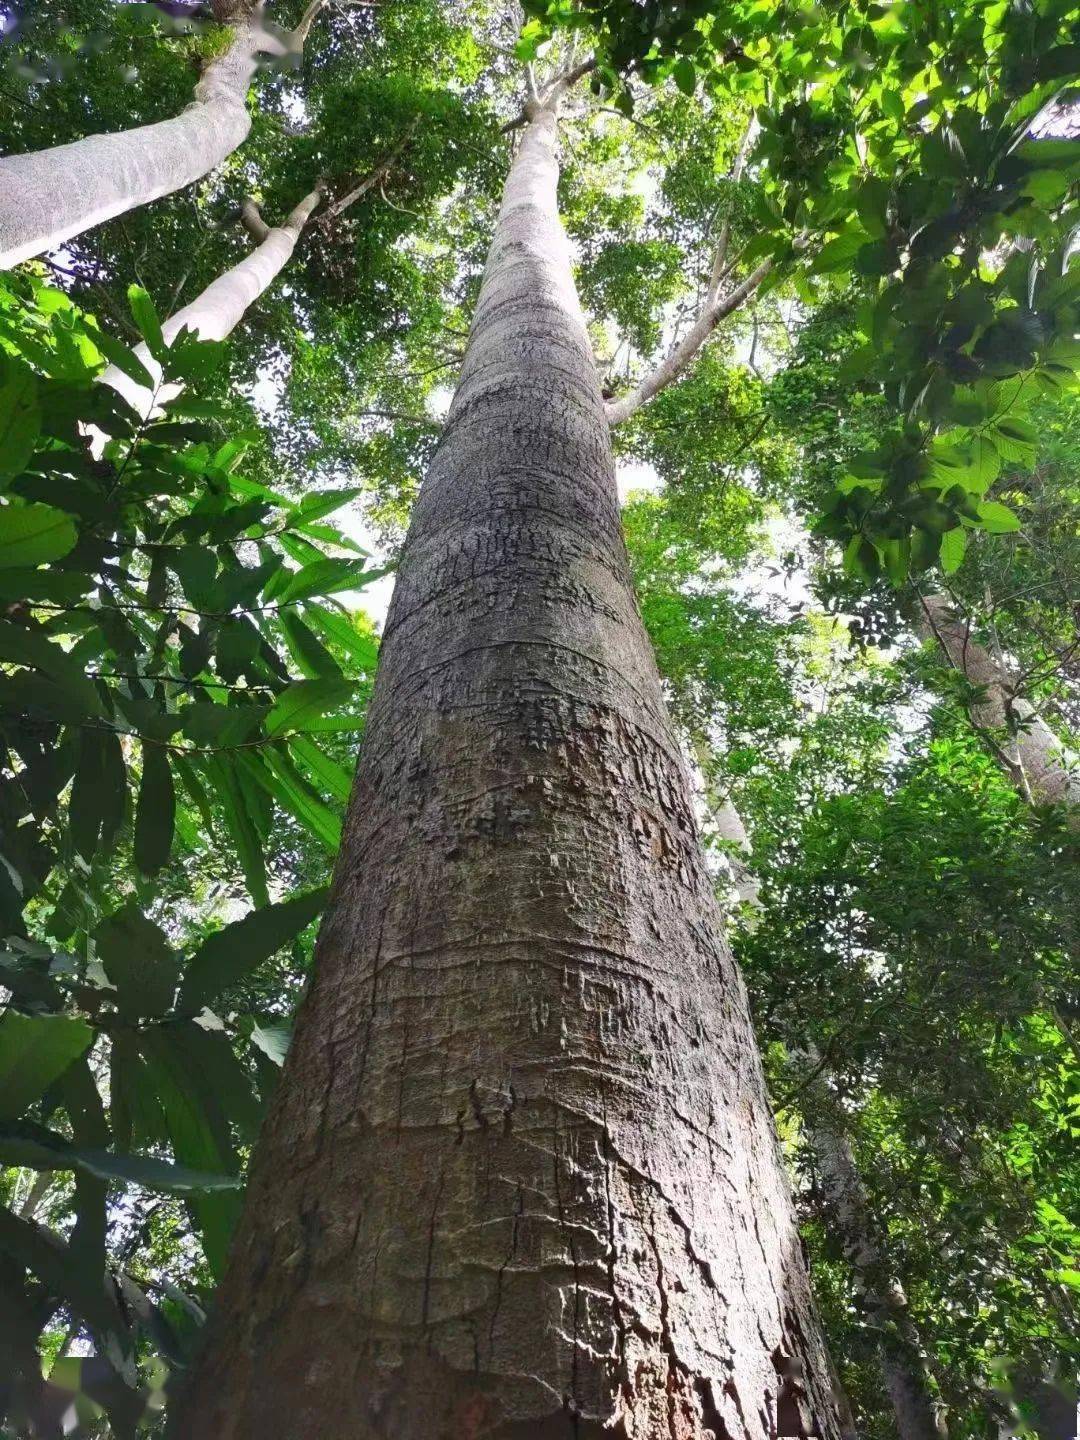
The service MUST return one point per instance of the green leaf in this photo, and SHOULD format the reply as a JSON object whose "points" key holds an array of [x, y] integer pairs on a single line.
{"points": [[139, 962], [306, 700], [997, 519], [311, 656], [198, 1132], [323, 577], [1046, 187], [124, 359], [98, 793], [318, 503], [953, 545], [361, 646], [33, 534], [241, 828], [327, 774], [235, 951], [685, 75], [238, 643], [50, 1259], [33, 647], [279, 778], [34, 1051], [146, 318], [20, 416], [155, 813], [840, 253], [41, 1149]]}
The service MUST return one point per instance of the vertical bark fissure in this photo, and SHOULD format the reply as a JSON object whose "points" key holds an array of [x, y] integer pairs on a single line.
{"points": [[521, 886], [47, 197]]}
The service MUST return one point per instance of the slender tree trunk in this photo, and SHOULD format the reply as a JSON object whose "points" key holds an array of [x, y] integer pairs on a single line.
{"points": [[50, 196], [222, 305], [728, 824], [520, 1181], [1042, 767], [902, 1362]]}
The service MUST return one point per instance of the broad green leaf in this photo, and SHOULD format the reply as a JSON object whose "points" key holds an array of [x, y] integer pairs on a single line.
{"points": [[222, 772], [34, 1051], [306, 649], [139, 962], [953, 545], [236, 950], [20, 415], [326, 577], [34, 534], [24, 646], [839, 253], [998, 519], [361, 646], [306, 700], [49, 1258], [279, 777], [685, 75], [98, 793], [198, 1133]]}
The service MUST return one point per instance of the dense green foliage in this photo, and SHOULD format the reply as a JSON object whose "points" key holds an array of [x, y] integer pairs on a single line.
{"points": [[184, 663]]}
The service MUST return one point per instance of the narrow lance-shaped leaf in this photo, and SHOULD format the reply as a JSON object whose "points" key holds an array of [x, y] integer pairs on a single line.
{"points": [[38, 1148], [237, 949], [155, 814]]}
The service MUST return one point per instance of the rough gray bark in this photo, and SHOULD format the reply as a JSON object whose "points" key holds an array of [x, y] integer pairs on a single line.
{"points": [[1042, 767], [49, 196], [217, 311], [520, 1180], [902, 1362]]}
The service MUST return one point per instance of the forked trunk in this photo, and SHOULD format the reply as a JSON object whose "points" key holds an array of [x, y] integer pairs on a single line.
{"points": [[520, 1180], [50, 196]]}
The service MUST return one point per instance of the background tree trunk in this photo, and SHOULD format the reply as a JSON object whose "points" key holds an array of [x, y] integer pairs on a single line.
{"points": [[520, 1180], [728, 824], [902, 1363], [49, 196], [1033, 756]]}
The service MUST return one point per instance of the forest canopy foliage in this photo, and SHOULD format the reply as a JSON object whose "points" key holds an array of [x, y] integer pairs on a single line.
{"points": [[840, 238]]}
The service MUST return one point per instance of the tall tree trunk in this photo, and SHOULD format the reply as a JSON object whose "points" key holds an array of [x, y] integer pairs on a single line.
{"points": [[902, 1362], [1043, 768], [216, 312], [50, 196], [520, 1180]]}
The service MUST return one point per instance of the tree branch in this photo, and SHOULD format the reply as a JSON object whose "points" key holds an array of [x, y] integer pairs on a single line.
{"points": [[252, 220], [376, 176], [675, 362]]}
